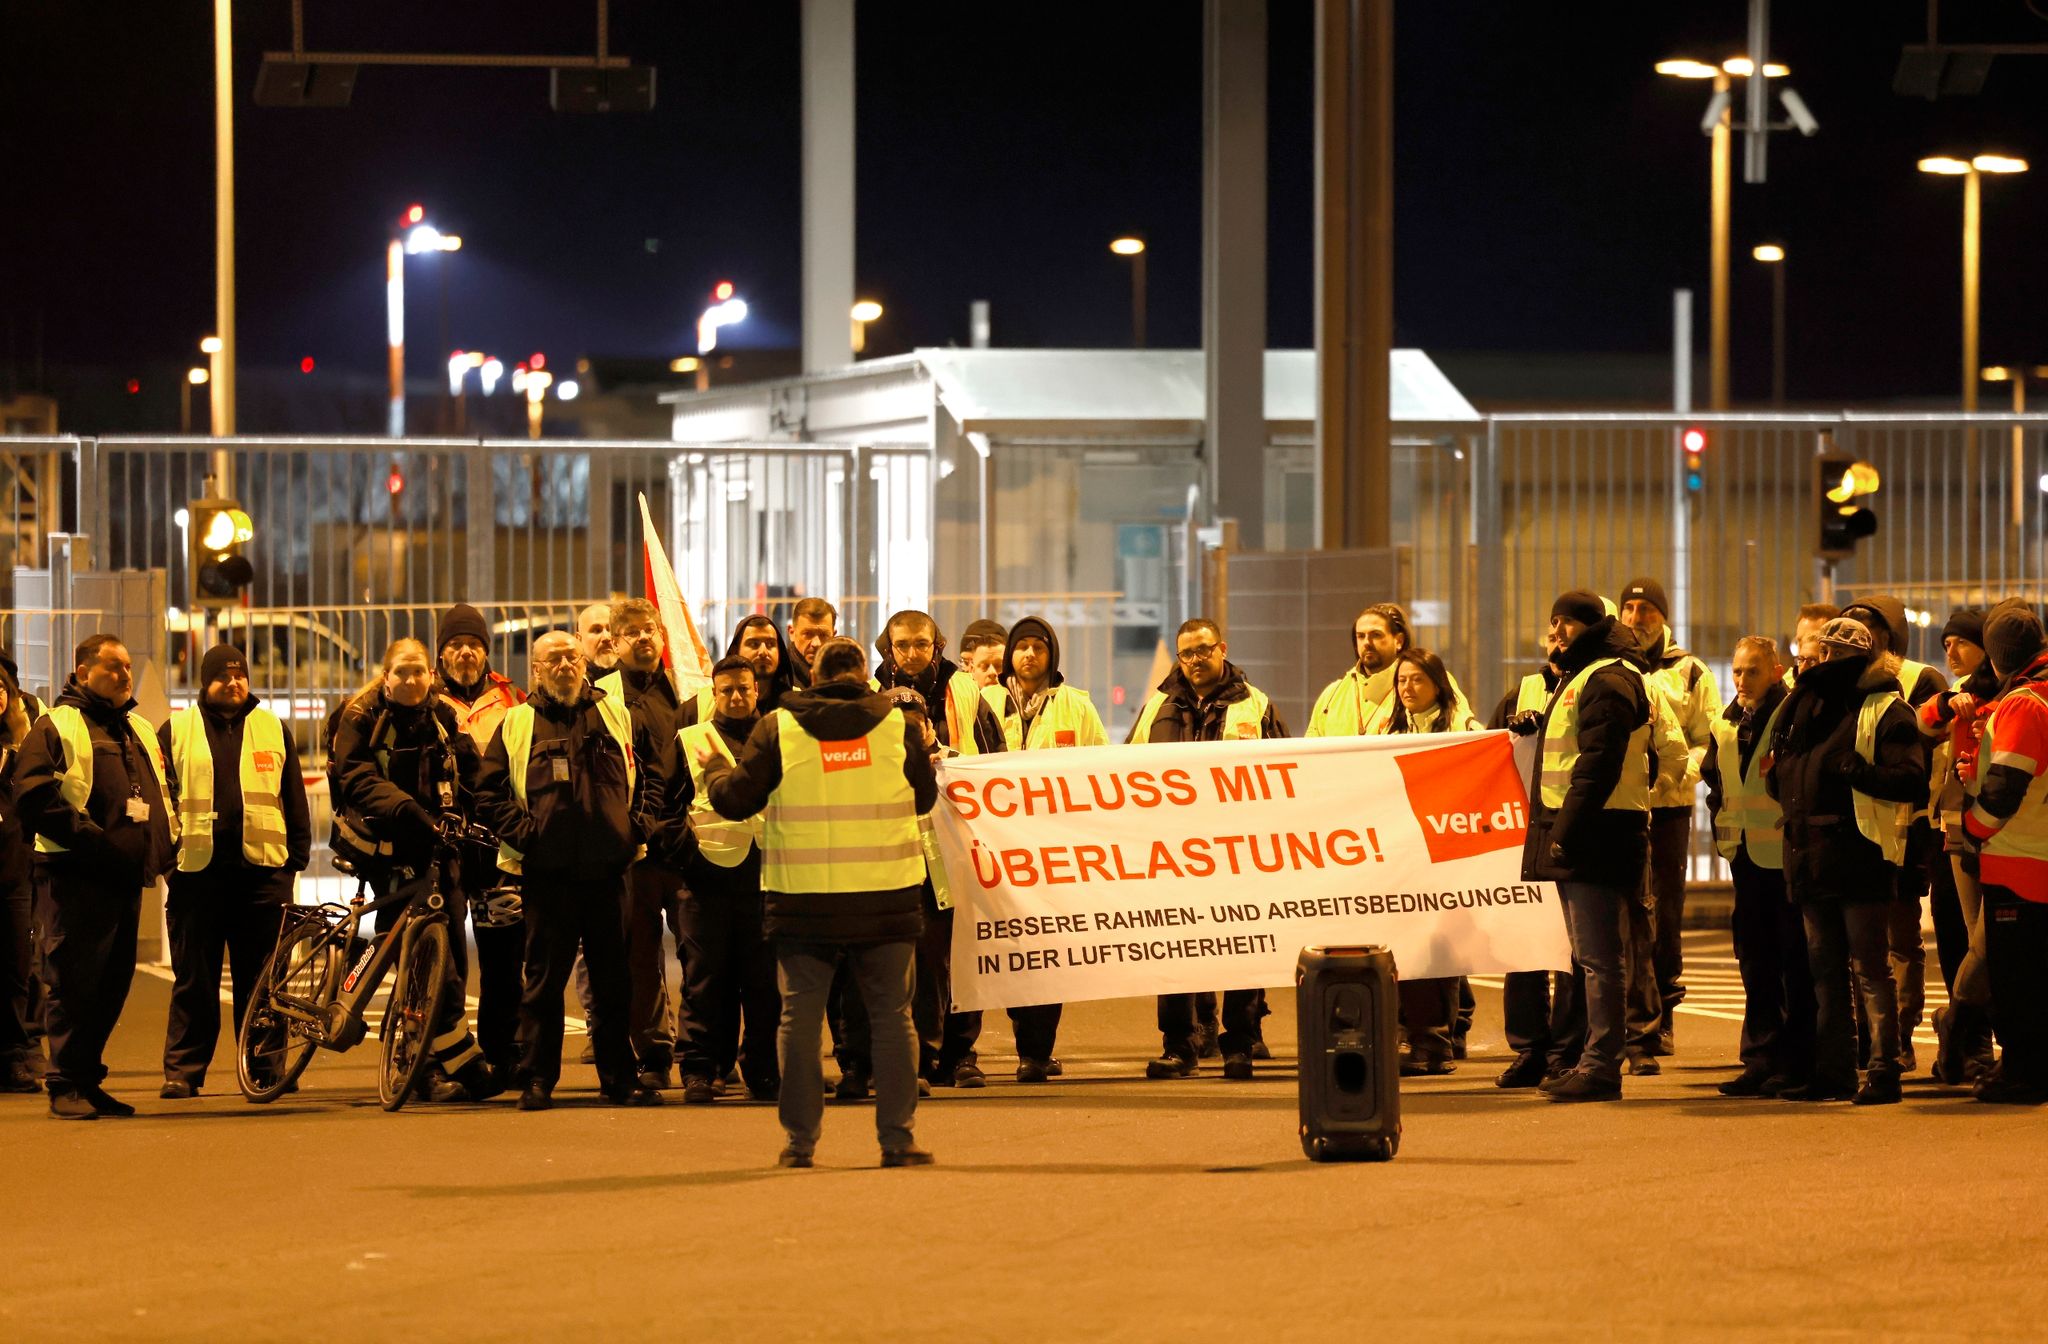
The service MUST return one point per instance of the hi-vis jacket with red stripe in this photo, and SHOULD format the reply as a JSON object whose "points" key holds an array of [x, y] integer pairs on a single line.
{"points": [[2010, 817]]}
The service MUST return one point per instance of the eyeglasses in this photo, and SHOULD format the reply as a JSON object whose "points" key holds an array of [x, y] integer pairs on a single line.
{"points": [[912, 646], [637, 637], [1200, 653]]}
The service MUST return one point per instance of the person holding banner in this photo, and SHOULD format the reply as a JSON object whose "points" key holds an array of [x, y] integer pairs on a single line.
{"points": [[1589, 829], [1526, 995], [1205, 698], [915, 667], [840, 776], [1425, 702], [1039, 711]]}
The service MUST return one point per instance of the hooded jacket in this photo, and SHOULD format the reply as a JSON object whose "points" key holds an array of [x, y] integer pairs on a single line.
{"points": [[1815, 772], [100, 842], [1599, 844], [932, 684], [789, 675], [230, 864], [1187, 717], [594, 822], [394, 788], [1006, 697], [836, 711]]}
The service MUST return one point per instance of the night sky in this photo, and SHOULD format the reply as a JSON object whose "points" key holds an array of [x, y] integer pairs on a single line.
{"points": [[1551, 190]]}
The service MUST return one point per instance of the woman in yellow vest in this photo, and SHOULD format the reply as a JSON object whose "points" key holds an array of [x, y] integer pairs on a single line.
{"points": [[244, 833], [1849, 768], [1426, 702]]}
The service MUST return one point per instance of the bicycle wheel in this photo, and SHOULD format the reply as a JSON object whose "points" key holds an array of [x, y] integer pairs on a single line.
{"points": [[409, 1016], [270, 1051]]}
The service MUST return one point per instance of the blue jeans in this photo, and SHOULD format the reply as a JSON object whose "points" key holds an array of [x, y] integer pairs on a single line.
{"points": [[1593, 918]]}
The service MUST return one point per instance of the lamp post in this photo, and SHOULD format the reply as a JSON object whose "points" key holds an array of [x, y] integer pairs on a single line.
{"points": [[1773, 256], [194, 377], [2017, 375], [864, 312], [1718, 125], [1133, 246], [1972, 172], [415, 236]]}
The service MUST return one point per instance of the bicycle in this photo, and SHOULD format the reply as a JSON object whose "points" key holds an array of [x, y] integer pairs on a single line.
{"points": [[302, 1001]]}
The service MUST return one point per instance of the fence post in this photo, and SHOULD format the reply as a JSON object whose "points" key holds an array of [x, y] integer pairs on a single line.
{"points": [[481, 524], [1491, 595]]}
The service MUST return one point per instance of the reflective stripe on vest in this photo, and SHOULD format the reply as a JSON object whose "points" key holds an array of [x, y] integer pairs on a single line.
{"points": [[262, 768], [1883, 824], [1561, 748], [517, 731], [1532, 694], [1241, 718], [481, 716], [2025, 833], [722, 842], [1749, 815], [844, 818], [74, 786]]}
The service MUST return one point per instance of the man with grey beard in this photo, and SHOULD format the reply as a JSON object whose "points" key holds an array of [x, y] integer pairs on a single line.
{"points": [[571, 786]]}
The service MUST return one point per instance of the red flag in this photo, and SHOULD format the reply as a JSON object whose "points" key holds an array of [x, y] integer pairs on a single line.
{"points": [[688, 665]]}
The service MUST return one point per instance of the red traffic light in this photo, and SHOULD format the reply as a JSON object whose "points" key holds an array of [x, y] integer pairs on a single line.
{"points": [[722, 290], [306, 364], [539, 361], [134, 386], [1695, 440], [415, 213], [395, 482]]}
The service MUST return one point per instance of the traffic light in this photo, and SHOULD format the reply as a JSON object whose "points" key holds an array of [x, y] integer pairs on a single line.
{"points": [[1694, 441], [219, 572], [1845, 488]]}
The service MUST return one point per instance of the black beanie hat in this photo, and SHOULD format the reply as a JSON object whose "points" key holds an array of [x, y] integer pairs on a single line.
{"points": [[462, 619], [2012, 636], [1579, 605], [217, 661], [985, 629], [1966, 623], [1650, 591]]}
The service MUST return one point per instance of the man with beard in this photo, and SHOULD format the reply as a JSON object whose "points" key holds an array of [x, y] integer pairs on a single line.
{"points": [[914, 659], [91, 788], [1360, 701], [244, 831], [570, 785], [480, 699]]}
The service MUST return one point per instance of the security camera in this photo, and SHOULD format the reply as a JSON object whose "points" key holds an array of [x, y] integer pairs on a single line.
{"points": [[1795, 107], [1717, 107]]}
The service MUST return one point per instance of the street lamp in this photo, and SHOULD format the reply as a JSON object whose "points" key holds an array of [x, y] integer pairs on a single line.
{"points": [[1773, 256], [864, 312], [1972, 172], [194, 377], [2017, 375], [1718, 125], [1133, 247], [415, 236]]}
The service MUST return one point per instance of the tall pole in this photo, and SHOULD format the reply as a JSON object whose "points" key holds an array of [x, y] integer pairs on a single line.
{"points": [[1138, 301], [222, 381], [1972, 249], [1778, 332], [1717, 298], [394, 333]]}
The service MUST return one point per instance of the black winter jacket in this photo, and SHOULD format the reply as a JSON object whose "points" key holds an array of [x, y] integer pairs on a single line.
{"points": [[678, 843], [101, 843], [592, 822], [1584, 840], [389, 778], [837, 711], [1187, 717], [1815, 772]]}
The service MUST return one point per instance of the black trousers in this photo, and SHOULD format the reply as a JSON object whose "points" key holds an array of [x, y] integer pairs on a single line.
{"points": [[1654, 948], [210, 920], [1845, 938], [1777, 984], [1429, 1013], [731, 1006], [1525, 1011], [1037, 1029], [563, 910], [87, 934], [17, 957], [654, 895], [945, 1039], [1951, 929], [500, 958], [1240, 1022], [2016, 934]]}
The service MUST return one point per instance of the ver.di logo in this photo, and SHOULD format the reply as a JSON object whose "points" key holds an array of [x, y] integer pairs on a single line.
{"points": [[1467, 797]]}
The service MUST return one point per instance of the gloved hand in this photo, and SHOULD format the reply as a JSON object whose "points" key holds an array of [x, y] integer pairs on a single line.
{"points": [[1525, 723], [1555, 856], [1848, 766], [416, 824]]}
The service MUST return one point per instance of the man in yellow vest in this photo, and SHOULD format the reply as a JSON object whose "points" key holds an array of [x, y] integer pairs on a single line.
{"points": [[1589, 820], [244, 833], [1040, 711], [1361, 700], [571, 788], [1205, 698], [730, 1005], [1525, 999], [1885, 617], [1770, 941], [914, 660], [480, 698], [92, 788], [839, 776]]}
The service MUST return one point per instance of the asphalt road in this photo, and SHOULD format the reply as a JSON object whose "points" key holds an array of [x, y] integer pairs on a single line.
{"points": [[1100, 1206]]}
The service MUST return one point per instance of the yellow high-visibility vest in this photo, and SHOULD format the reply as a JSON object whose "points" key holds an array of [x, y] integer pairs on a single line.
{"points": [[1561, 747], [1241, 718], [1749, 815], [1357, 705], [263, 765], [1067, 718], [844, 818], [725, 843], [963, 700], [1883, 824], [74, 786], [1532, 694], [518, 734]]}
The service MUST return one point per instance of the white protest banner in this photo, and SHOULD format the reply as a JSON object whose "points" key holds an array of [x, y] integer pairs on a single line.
{"points": [[1110, 871]]}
